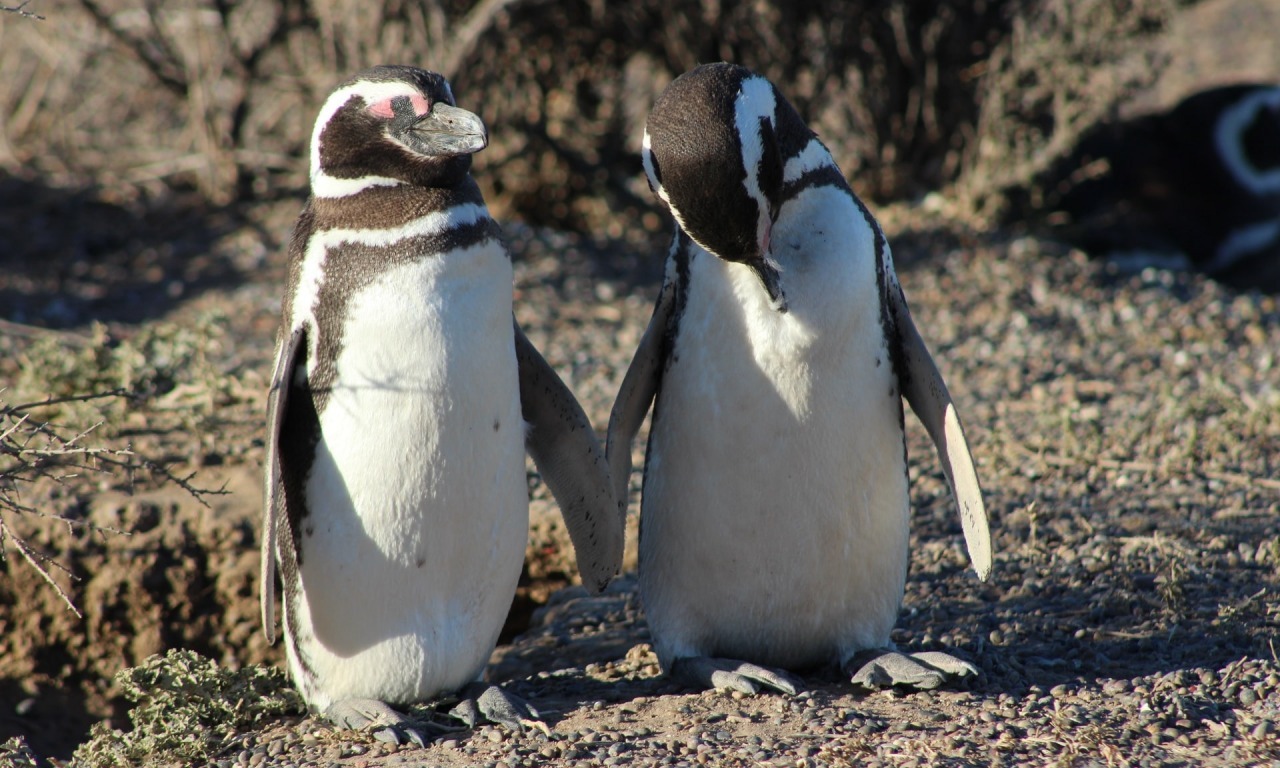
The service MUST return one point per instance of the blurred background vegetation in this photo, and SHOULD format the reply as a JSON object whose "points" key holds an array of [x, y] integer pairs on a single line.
{"points": [[211, 101]]}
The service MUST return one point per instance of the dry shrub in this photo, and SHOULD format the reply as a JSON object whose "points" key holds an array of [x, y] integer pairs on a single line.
{"points": [[219, 96], [1066, 66]]}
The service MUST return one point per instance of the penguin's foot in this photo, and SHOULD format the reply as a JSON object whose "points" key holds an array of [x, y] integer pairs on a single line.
{"points": [[924, 671], [483, 703], [385, 723], [731, 674]]}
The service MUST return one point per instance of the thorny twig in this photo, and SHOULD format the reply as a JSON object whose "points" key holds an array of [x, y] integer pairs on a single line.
{"points": [[21, 11], [29, 460]]}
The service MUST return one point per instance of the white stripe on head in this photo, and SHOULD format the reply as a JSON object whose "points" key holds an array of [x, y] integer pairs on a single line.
{"points": [[1228, 140], [646, 158], [811, 158], [324, 185], [755, 102]]}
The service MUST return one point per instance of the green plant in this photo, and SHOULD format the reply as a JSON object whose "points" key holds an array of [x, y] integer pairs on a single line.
{"points": [[188, 709]]}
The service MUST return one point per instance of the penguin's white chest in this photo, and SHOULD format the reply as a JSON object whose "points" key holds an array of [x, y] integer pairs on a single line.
{"points": [[417, 500], [774, 521]]}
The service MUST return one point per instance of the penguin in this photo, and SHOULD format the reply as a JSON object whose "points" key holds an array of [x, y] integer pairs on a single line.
{"points": [[402, 402], [774, 510], [1195, 187]]}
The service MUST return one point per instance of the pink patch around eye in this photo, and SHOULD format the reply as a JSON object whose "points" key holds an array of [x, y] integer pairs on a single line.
{"points": [[384, 109]]}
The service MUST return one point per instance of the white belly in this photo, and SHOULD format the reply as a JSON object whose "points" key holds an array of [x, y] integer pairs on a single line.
{"points": [[775, 509], [417, 498]]}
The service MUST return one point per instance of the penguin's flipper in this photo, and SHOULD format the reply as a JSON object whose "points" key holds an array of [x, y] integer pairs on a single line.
{"points": [[885, 668], [927, 393], [573, 465], [273, 503], [385, 724], [710, 673], [636, 394]]}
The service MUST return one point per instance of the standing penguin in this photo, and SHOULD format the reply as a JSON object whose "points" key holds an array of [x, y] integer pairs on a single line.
{"points": [[403, 400], [774, 523]]}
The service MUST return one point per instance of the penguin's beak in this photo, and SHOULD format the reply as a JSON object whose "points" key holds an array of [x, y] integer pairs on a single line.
{"points": [[767, 270], [447, 130]]}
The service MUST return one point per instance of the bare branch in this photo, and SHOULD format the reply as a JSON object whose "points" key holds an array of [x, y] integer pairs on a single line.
{"points": [[21, 11], [38, 561], [163, 68], [5, 410], [36, 449], [182, 482]]}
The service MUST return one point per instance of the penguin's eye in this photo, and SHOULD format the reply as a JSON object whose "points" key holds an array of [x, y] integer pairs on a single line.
{"points": [[417, 105]]}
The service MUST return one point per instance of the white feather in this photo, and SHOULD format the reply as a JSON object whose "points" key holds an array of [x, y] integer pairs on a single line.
{"points": [[755, 102], [322, 241], [417, 498], [811, 158], [775, 502]]}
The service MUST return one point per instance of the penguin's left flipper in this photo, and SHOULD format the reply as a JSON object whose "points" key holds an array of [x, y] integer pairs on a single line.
{"points": [[290, 354], [730, 674], [386, 724], [636, 394], [573, 465], [482, 703], [922, 671], [927, 393]]}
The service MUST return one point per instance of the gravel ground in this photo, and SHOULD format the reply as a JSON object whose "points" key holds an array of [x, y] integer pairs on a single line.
{"points": [[1126, 429]]}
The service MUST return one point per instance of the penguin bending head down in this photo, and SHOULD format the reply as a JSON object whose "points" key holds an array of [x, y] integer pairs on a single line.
{"points": [[775, 510], [403, 400]]}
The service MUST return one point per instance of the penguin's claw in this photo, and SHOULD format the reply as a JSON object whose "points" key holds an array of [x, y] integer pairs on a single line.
{"points": [[385, 723], [731, 674], [922, 671], [489, 703]]}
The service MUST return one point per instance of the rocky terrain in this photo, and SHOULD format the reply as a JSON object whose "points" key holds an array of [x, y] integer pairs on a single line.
{"points": [[1125, 425], [1126, 429]]}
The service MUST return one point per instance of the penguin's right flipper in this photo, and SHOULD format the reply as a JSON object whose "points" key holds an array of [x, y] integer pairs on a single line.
{"points": [[273, 504], [573, 465], [927, 393], [730, 674], [636, 394], [482, 703], [385, 723]]}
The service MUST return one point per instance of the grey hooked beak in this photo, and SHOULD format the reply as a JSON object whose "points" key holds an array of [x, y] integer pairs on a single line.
{"points": [[448, 130], [772, 281], [766, 269]]}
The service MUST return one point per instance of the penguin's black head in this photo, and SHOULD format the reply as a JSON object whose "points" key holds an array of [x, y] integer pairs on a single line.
{"points": [[392, 125], [715, 148]]}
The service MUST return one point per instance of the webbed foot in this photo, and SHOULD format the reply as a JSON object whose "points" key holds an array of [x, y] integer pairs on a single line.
{"points": [[483, 703], [375, 716], [731, 674], [926, 670]]}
